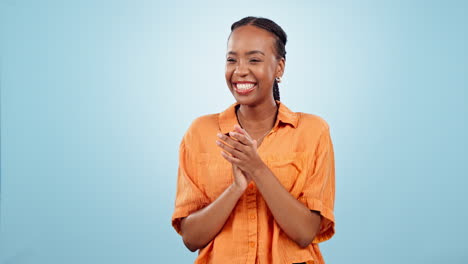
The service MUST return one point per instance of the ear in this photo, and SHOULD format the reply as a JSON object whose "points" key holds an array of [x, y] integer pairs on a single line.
{"points": [[280, 67]]}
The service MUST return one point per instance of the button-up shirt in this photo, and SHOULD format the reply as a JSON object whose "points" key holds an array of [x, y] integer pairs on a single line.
{"points": [[299, 152]]}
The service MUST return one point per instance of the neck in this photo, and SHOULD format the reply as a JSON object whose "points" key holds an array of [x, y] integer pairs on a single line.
{"points": [[259, 117]]}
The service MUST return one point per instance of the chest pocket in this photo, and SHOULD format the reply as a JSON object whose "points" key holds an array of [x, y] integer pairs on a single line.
{"points": [[289, 168], [214, 174]]}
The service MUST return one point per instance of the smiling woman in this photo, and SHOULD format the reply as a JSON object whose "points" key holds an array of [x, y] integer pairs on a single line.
{"points": [[256, 182]]}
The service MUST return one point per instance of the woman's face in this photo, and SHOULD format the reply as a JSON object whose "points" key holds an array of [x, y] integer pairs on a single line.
{"points": [[251, 65]]}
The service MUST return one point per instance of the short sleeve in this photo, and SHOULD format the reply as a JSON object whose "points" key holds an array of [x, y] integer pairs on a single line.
{"points": [[189, 197], [319, 190]]}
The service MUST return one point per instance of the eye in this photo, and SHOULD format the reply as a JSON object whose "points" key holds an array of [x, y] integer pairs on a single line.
{"points": [[255, 60], [230, 60]]}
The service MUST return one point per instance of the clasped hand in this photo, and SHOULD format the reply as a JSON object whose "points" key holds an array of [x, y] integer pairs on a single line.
{"points": [[241, 153]]}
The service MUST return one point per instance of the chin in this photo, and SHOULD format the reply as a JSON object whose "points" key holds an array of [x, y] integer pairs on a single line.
{"points": [[246, 101]]}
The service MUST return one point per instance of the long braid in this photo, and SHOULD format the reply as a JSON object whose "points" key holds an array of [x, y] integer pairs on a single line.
{"points": [[280, 43], [276, 93]]}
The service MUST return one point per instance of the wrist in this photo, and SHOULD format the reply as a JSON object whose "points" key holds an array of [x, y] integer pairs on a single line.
{"points": [[259, 171], [236, 189]]}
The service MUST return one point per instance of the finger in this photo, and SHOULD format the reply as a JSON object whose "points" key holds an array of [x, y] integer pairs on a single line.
{"points": [[234, 143], [239, 129], [230, 158], [234, 152], [241, 138], [254, 144]]}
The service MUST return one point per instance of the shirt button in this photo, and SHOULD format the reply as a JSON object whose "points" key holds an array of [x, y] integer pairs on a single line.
{"points": [[252, 244], [252, 216]]}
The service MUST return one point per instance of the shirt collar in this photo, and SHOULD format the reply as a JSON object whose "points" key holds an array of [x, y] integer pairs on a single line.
{"points": [[228, 118]]}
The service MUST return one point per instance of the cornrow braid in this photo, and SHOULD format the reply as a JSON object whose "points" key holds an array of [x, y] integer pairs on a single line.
{"points": [[280, 43]]}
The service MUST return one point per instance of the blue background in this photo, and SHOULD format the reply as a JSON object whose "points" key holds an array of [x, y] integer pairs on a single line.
{"points": [[96, 95]]}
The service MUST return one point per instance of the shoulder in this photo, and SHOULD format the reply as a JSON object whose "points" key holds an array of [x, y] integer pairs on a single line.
{"points": [[203, 121], [315, 131], [201, 127], [312, 122]]}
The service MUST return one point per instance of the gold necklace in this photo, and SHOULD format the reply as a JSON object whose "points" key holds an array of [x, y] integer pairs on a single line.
{"points": [[238, 119]]}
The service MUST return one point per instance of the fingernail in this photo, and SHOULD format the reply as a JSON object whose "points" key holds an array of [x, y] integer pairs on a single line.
{"points": [[219, 135]]}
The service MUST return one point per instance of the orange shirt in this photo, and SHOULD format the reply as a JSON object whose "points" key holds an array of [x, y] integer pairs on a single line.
{"points": [[298, 150]]}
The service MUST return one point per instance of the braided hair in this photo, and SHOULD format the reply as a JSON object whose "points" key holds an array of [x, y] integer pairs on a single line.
{"points": [[274, 28]]}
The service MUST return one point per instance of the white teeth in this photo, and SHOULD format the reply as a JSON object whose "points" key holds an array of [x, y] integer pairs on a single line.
{"points": [[244, 86]]}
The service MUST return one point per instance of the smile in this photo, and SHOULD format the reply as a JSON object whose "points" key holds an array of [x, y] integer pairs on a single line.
{"points": [[244, 88]]}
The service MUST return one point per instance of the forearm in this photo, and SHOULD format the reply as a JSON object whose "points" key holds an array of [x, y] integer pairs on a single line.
{"points": [[294, 218], [199, 228]]}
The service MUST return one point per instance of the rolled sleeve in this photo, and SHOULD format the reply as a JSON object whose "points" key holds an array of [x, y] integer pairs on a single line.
{"points": [[189, 197], [319, 191]]}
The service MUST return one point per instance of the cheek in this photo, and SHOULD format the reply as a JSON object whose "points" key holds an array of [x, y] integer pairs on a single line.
{"points": [[228, 76], [264, 75], [261, 74], [227, 73], [265, 72], [270, 71]]}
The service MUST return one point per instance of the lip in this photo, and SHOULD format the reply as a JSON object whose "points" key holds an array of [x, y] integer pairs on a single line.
{"points": [[243, 82], [244, 92]]}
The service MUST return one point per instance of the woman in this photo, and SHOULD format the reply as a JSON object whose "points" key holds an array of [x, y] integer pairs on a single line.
{"points": [[256, 182]]}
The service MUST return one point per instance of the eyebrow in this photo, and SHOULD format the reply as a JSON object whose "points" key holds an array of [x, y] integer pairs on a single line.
{"points": [[248, 53]]}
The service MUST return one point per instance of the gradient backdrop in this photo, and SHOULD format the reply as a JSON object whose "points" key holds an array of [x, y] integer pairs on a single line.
{"points": [[96, 95]]}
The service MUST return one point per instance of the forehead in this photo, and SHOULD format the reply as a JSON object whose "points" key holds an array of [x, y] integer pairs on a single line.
{"points": [[247, 38]]}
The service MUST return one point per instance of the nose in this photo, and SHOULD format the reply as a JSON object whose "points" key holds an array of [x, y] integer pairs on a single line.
{"points": [[242, 68]]}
